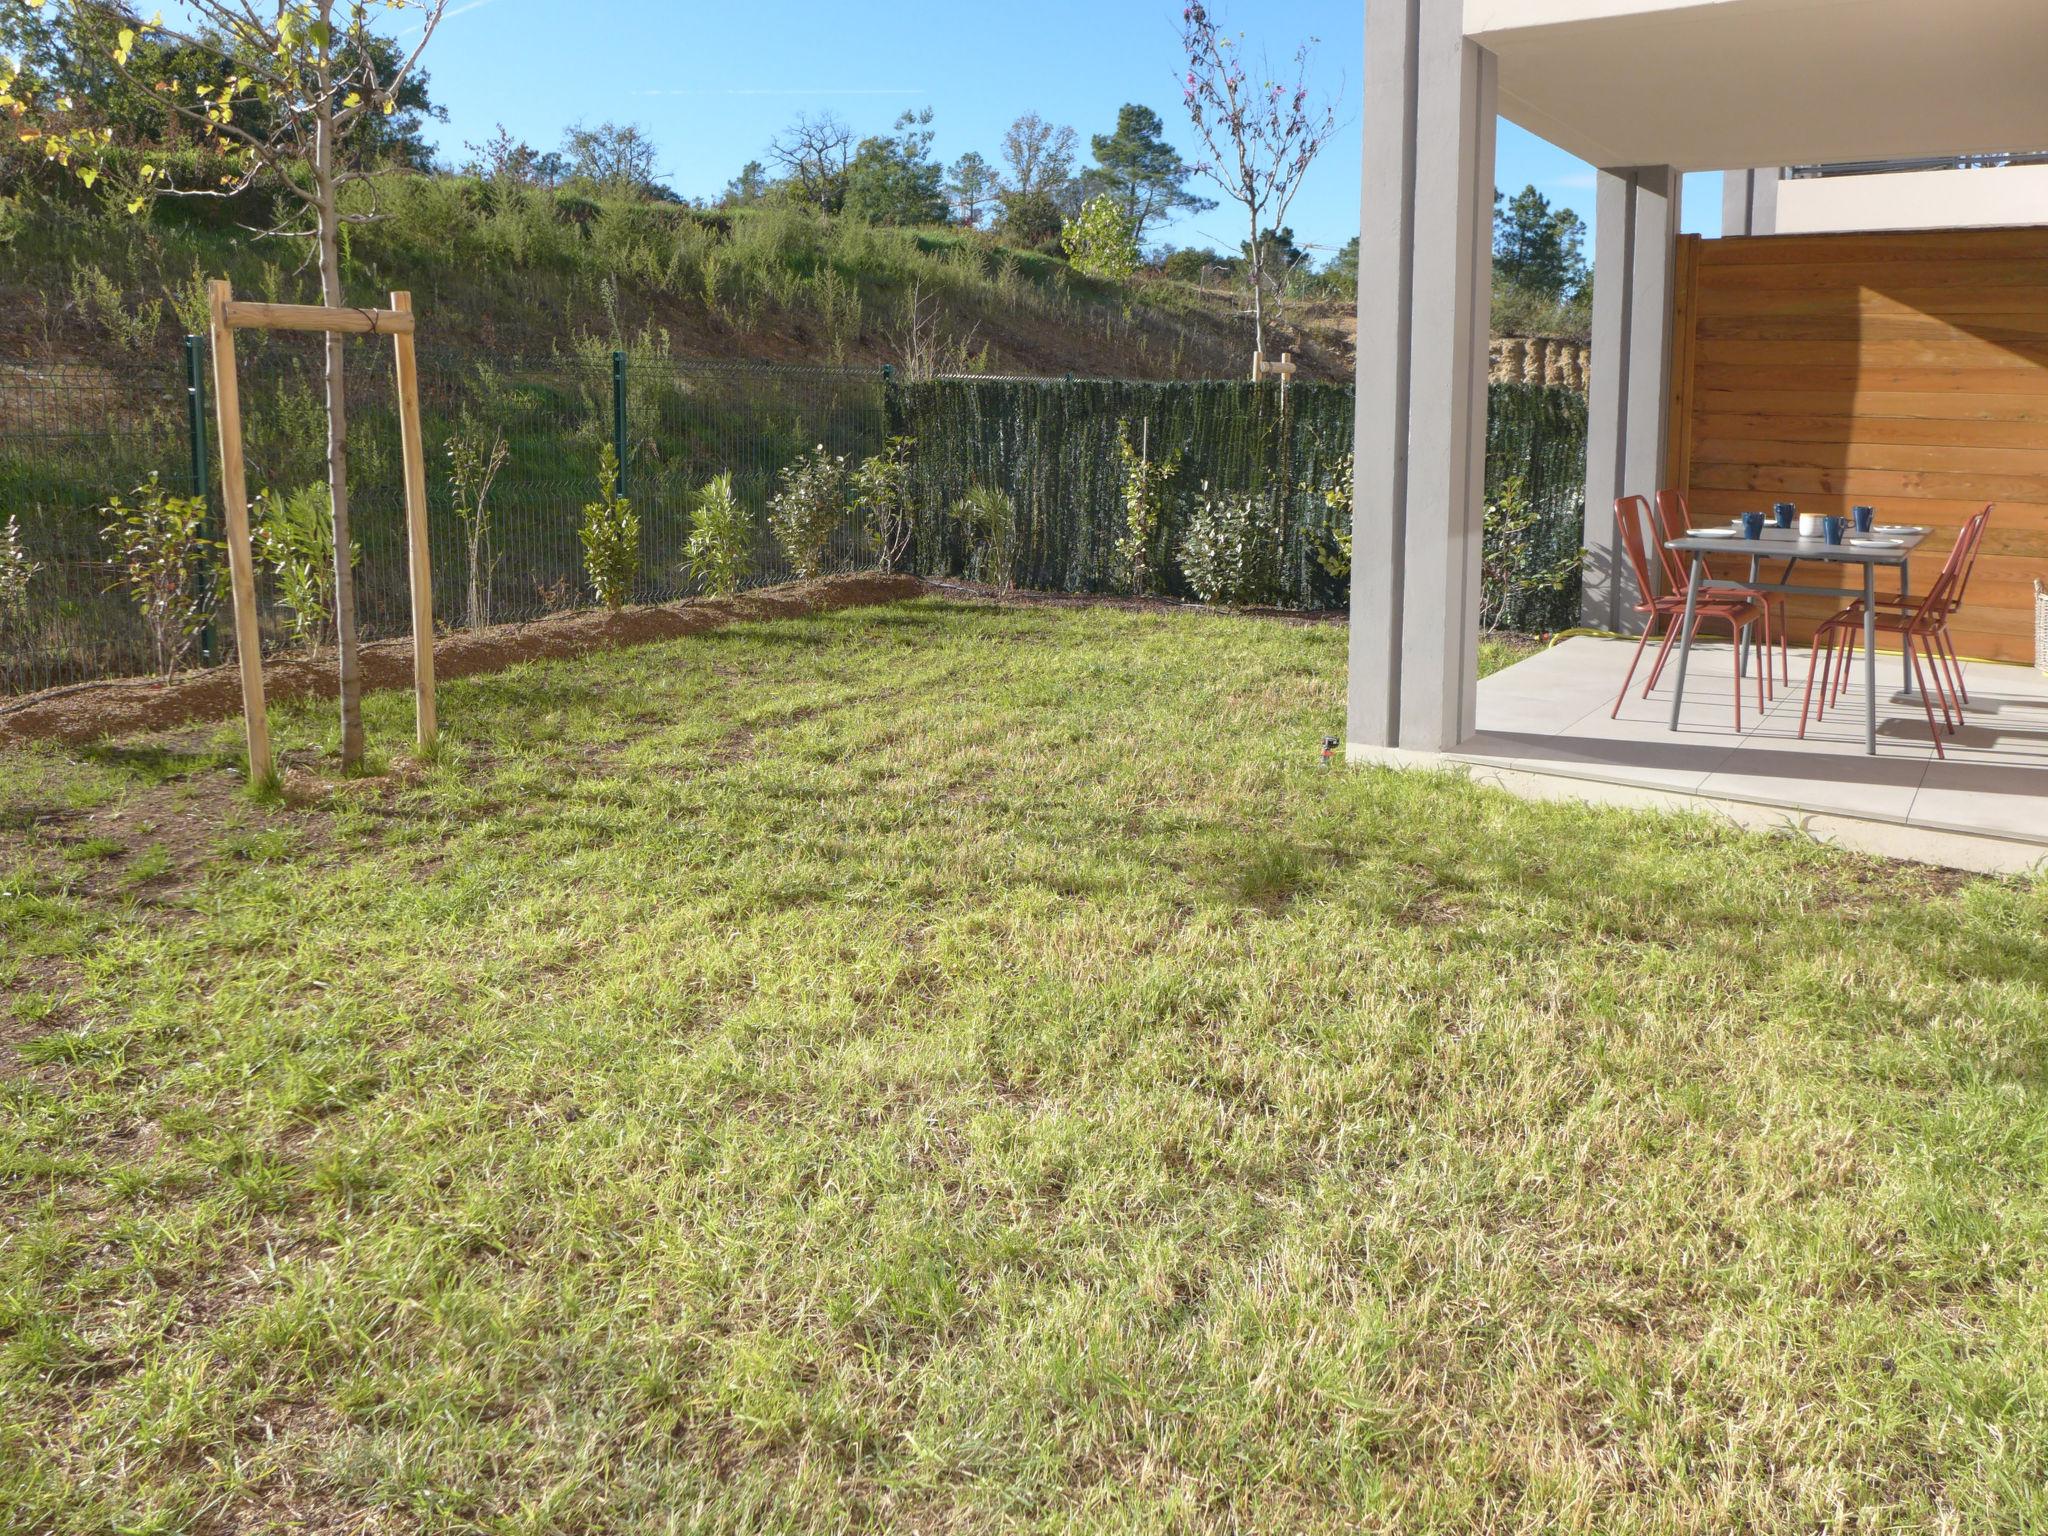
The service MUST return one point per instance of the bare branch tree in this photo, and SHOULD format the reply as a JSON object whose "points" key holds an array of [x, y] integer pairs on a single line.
{"points": [[1261, 138], [815, 153]]}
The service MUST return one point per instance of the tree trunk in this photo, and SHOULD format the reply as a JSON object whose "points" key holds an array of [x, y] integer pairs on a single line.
{"points": [[1258, 258], [337, 449]]}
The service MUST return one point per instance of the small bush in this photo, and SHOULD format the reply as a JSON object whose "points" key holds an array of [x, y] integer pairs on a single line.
{"points": [[1338, 496], [1140, 555], [988, 518], [1232, 551], [1512, 567], [881, 489], [294, 535], [161, 542], [16, 572], [610, 532], [721, 547], [807, 508], [98, 297]]}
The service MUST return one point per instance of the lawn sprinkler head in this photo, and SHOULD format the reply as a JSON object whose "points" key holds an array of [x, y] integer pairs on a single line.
{"points": [[1329, 748]]}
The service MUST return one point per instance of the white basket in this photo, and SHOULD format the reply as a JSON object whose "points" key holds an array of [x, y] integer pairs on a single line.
{"points": [[2041, 624]]}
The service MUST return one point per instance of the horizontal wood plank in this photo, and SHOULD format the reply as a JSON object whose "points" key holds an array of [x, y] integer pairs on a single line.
{"points": [[243, 315], [2019, 243], [1957, 304], [2011, 464], [1869, 405], [1933, 354], [1854, 376], [1854, 429]]}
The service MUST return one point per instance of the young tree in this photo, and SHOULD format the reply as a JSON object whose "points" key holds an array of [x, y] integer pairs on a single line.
{"points": [[1538, 248], [1261, 138], [814, 154], [287, 97], [971, 188], [1100, 241], [1140, 170]]}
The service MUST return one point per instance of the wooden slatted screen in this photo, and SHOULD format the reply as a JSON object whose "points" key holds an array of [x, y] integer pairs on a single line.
{"points": [[1909, 371]]}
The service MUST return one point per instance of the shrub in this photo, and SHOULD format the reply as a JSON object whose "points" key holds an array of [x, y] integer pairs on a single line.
{"points": [[1033, 221], [807, 508], [881, 489], [1512, 567], [1139, 553], [1232, 551], [721, 547], [610, 532], [98, 297], [988, 519], [1335, 555], [161, 542], [16, 572], [294, 535], [1189, 265]]}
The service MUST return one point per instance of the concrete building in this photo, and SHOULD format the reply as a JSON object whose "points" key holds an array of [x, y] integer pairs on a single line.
{"points": [[1963, 192], [1645, 90]]}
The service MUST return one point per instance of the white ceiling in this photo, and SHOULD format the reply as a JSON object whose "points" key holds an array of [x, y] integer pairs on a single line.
{"points": [[1713, 84]]}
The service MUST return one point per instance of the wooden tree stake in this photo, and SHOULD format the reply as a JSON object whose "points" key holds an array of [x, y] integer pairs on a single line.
{"points": [[418, 560], [227, 316], [234, 491]]}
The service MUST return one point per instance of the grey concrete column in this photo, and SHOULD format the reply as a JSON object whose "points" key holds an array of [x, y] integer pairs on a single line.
{"points": [[1424, 285], [1749, 202], [1629, 393]]}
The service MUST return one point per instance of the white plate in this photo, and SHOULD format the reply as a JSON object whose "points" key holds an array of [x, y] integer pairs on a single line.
{"points": [[1898, 528], [1717, 533], [1869, 543]]}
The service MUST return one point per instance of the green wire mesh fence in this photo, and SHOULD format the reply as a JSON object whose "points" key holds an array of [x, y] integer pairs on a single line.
{"points": [[71, 436]]}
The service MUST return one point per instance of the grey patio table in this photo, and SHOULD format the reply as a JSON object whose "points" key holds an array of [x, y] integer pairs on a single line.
{"points": [[1786, 544]]}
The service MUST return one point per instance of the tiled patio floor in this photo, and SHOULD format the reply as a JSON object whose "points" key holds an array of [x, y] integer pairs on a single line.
{"points": [[1984, 806]]}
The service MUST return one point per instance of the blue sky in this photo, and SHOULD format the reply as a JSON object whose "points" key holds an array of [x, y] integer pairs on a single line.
{"points": [[713, 83]]}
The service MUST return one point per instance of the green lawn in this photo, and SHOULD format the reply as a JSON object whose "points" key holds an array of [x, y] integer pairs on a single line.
{"points": [[937, 1069]]}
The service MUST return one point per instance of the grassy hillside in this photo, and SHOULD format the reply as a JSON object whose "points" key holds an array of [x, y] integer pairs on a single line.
{"points": [[504, 269]]}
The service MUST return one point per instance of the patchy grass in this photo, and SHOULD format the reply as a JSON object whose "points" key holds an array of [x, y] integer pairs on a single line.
{"points": [[928, 1069], [1500, 648]]}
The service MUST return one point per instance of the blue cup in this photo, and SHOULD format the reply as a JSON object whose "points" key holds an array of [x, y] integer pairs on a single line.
{"points": [[1864, 517], [1832, 529], [1784, 512], [1752, 525]]}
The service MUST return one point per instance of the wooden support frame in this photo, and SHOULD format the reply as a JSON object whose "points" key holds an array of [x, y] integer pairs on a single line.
{"points": [[229, 315]]}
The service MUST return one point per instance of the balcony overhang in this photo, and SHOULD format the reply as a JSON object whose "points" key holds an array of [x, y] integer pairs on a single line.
{"points": [[1714, 84]]}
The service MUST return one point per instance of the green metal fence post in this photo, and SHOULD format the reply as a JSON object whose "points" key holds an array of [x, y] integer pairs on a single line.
{"points": [[619, 420], [195, 426]]}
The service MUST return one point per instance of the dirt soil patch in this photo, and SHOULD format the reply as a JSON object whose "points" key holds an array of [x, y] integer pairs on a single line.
{"points": [[122, 707]]}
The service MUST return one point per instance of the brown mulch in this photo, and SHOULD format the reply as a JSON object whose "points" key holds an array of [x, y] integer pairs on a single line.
{"points": [[122, 707]]}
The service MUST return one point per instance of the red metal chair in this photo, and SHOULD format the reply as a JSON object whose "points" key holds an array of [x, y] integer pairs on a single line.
{"points": [[1923, 622], [1674, 521], [1945, 643], [1738, 613]]}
